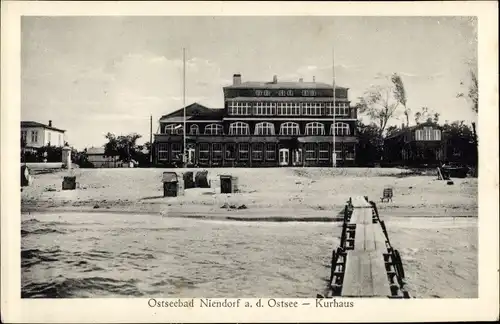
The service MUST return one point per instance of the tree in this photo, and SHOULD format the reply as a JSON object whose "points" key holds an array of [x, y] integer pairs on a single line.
{"points": [[379, 104], [460, 143], [472, 94], [369, 144], [123, 146], [400, 95], [427, 115]]}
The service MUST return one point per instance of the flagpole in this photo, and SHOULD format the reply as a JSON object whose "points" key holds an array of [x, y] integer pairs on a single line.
{"points": [[184, 104], [334, 153]]}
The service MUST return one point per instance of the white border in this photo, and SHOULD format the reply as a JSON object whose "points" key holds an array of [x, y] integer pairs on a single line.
{"points": [[136, 310]]}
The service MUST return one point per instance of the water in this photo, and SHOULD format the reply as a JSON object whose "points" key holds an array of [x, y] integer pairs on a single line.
{"points": [[126, 255]]}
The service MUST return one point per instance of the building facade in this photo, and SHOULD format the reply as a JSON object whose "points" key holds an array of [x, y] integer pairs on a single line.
{"points": [[36, 135], [420, 145], [263, 124], [98, 158]]}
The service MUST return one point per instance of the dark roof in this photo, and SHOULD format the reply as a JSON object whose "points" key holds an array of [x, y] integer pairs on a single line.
{"points": [[285, 99], [197, 111], [37, 124], [406, 129], [280, 85]]}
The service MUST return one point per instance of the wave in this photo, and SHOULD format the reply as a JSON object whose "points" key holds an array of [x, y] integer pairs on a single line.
{"points": [[81, 287]]}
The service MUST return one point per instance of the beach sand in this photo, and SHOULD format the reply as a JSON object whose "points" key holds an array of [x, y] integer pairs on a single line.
{"points": [[265, 192]]}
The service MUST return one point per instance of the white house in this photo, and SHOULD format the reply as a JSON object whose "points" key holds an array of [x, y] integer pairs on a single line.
{"points": [[37, 134]]}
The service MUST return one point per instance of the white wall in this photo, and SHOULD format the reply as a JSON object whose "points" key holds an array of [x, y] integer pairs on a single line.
{"points": [[38, 139], [43, 137], [54, 137]]}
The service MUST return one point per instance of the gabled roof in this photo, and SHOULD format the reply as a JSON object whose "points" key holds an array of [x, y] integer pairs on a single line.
{"points": [[281, 85], [37, 124], [406, 129], [194, 111]]}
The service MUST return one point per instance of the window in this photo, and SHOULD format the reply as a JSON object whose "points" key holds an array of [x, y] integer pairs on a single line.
{"points": [[204, 151], [34, 136], [342, 108], [49, 137], [310, 151], [24, 134], [289, 128], [244, 147], [437, 135], [338, 153], [264, 109], [281, 93], [176, 151], [315, 129], [258, 93], [312, 109], [288, 109], [60, 140], [239, 128], [324, 151], [307, 93], [174, 129], [216, 151], [162, 151], [270, 152], [194, 130], [257, 151], [264, 128], [349, 155], [289, 93], [214, 129], [419, 135], [340, 129], [230, 151], [267, 93], [239, 108], [427, 133]]}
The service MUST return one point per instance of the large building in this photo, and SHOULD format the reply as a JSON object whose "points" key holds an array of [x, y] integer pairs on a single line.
{"points": [[263, 124]]}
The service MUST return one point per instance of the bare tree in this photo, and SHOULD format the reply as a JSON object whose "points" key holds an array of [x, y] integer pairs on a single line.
{"points": [[379, 104], [472, 94], [400, 95]]}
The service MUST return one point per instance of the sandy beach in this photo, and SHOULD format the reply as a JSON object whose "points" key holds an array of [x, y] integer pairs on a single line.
{"points": [[265, 193]]}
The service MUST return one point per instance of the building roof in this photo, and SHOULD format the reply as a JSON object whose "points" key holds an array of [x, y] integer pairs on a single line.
{"points": [[288, 99], [37, 124], [281, 85], [406, 129], [194, 110]]}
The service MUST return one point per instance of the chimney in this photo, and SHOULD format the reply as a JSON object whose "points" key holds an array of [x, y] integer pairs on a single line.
{"points": [[236, 79], [301, 80], [314, 78], [50, 123], [275, 79]]}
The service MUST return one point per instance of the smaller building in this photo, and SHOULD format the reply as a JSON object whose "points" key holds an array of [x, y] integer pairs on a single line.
{"points": [[419, 145], [35, 135], [96, 156]]}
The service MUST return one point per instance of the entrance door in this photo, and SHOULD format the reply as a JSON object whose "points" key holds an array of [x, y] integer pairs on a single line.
{"points": [[297, 157], [190, 156], [284, 156]]}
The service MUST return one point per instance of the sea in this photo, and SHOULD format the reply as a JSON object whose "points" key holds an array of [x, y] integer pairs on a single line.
{"points": [[84, 255]]}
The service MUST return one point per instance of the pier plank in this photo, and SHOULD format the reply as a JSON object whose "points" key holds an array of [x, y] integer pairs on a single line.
{"points": [[361, 216], [369, 237], [360, 202], [365, 275]]}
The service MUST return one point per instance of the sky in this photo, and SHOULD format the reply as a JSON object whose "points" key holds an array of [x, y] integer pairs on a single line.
{"points": [[94, 75]]}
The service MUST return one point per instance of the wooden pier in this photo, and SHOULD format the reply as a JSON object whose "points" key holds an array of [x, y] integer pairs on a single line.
{"points": [[365, 264]]}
